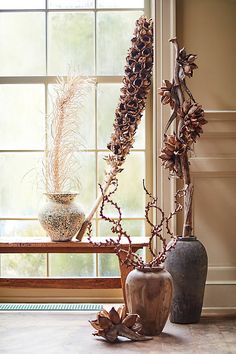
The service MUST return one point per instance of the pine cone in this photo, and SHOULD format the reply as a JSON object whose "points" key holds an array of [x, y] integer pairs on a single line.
{"points": [[193, 120], [137, 84], [165, 92], [170, 154], [112, 324], [186, 61]]}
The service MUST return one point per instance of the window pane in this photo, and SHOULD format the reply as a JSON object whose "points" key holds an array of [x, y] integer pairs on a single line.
{"points": [[86, 118], [22, 44], [22, 4], [22, 117], [133, 228], [120, 3], [71, 265], [71, 42], [20, 192], [70, 4], [87, 175], [21, 228], [114, 32], [130, 194], [23, 265], [108, 265], [107, 101]]}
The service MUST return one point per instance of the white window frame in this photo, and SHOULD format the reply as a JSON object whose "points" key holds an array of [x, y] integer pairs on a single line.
{"points": [[164, 16]]}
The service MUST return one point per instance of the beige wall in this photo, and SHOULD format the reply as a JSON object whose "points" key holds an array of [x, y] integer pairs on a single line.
{"points": [[208, 28]]}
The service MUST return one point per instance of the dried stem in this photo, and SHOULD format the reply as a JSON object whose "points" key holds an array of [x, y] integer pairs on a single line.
{"points": [[189, 116], [125, 255]]}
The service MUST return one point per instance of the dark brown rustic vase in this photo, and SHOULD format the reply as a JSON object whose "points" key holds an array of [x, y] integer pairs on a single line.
{"points": [[187, 264], [149, 294]]}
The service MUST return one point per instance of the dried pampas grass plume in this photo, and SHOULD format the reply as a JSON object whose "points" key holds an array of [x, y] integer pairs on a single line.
{"points": [[61, 166]]}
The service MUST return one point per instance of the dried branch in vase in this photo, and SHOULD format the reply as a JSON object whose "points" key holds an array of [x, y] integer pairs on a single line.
{"points": [[61, 165], [131, 258], [128, 114], [189, 118], [110, 325]]}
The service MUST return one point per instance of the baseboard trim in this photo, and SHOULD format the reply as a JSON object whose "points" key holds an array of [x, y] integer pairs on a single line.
{"points": [[222, 311]]}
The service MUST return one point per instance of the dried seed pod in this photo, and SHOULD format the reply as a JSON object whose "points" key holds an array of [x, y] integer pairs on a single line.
{"points": [[137, 83], [136, 86]]}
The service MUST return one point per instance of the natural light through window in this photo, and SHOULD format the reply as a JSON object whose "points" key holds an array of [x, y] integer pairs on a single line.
{"points": [[40, 40]]}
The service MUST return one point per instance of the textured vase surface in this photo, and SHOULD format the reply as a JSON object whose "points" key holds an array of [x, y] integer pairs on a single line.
{"points": [[187, 264], [61, 216], [149, 294]]}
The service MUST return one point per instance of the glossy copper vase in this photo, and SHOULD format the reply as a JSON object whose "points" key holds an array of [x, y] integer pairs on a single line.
{"points": [[187, 264], [149, 294], [61, 216]]}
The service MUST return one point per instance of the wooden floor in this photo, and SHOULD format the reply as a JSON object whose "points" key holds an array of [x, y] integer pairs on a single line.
{"points": [[70, 333]]}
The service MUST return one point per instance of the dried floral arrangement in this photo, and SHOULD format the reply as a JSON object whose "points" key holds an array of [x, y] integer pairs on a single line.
{"points": [[125, 254], [61, 164], [128, 114], [110, 325], [189, 118]]}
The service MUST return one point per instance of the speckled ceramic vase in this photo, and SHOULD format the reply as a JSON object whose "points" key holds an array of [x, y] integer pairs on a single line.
{"points": [[187, 264], [61, 216], [149, 294]]}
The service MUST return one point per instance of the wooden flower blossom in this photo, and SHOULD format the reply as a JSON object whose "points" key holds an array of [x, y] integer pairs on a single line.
{"points": [[110, 325]]}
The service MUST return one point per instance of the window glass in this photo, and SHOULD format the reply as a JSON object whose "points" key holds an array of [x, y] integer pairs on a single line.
{"points": [[20, 106], [87, 177], [22, 44], [71, 43], [120, 3], [130, 194], [114, 31], [20, 188], [71, 265], [22, 4], [26, 265], [71, 4], [21, 228], [51, 38]]}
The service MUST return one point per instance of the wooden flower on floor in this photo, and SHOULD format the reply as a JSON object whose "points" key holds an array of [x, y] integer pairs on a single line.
{"points": [[110, 325]]}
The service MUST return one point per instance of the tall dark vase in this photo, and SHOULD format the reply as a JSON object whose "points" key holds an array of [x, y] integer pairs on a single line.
{"points": [[187, 264]]}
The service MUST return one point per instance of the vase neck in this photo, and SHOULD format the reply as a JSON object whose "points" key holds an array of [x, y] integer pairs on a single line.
{"points": [[148, 269], [63, 198], [187, 238]]}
